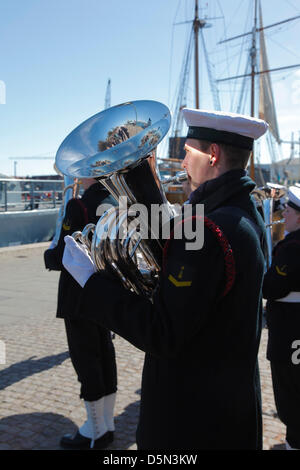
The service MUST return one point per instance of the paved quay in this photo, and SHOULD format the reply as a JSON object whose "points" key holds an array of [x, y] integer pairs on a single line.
{"points": [[39, 392]]}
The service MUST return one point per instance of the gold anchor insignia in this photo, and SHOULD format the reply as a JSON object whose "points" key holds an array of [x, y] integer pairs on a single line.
{"points": [[179, 283], [281, 271], [66, 225]]}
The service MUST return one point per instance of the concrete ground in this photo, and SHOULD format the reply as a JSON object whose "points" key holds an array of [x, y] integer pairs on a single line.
{"points": [[39, 392]]}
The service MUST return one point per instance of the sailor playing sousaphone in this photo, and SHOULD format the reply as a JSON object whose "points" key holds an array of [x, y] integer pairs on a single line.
{"points": [[200, 327]]}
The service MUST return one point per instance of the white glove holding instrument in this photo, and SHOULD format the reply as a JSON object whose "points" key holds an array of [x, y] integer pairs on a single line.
{"points": [[77, 261]]}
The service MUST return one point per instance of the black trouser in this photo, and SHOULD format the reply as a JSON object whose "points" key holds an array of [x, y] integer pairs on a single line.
{"points": [[93, 357], [286, 385]]}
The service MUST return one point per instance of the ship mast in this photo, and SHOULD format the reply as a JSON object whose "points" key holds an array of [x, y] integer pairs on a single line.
{"points": [[196, 45], [196, 27], [254, 72]]}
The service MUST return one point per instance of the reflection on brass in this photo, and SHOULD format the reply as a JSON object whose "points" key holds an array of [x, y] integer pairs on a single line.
{"points": [[278, 226], [120, 134], [265, 197], [128, 162], [101, 163], [151, 138], [115, 136]]}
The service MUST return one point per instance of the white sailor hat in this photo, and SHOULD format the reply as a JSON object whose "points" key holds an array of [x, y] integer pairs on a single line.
{"points": [[275, 185], [223, 127], [294, 197]]}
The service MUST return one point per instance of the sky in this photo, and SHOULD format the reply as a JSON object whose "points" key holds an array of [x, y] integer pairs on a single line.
{"points": [[56, 57]]}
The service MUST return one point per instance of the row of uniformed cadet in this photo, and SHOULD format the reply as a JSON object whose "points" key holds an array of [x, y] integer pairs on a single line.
{"points": [[201, 334]]}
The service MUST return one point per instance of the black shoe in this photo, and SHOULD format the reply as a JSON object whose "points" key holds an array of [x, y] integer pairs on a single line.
{"points": [[80, 442]]}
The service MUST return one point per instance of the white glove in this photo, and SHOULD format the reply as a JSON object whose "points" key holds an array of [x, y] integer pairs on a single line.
{"points": [[77, 261]]}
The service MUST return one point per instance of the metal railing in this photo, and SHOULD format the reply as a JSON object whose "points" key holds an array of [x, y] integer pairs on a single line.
{"points": [[29, 194]]}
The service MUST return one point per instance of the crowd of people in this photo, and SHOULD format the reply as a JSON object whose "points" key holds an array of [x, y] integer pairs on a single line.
{"points": [[201, 331]]}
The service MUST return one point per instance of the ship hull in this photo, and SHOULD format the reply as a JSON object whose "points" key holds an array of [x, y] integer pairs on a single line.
{"points": [[23, 227]]}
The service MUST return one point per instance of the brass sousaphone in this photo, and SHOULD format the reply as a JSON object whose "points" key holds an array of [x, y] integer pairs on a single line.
{"points": [[265, 198], [117, 147]]}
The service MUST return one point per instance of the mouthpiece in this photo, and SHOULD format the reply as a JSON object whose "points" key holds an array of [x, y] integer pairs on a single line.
{"points": [[179, 178]]}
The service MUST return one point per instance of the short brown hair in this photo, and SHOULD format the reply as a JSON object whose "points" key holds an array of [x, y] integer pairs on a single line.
{"points": [[235, 157]]}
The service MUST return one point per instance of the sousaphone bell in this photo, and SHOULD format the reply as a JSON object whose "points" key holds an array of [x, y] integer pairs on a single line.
{"points": [[117, 147]]}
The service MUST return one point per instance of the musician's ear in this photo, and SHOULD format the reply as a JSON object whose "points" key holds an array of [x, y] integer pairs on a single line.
{"points": [[215, 152]]}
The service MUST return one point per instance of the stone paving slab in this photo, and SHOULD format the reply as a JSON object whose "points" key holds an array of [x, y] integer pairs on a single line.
{"points": [[39, 392]]}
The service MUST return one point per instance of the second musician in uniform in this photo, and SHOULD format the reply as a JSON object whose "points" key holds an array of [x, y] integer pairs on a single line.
{"points": [[282, 290]]}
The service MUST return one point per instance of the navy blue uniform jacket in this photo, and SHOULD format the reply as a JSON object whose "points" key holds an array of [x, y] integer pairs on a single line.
{"points": [[78, 214], [283, 318], [200, 387]]}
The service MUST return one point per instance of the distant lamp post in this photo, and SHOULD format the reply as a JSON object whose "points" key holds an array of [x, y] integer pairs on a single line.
{"points": [[15, 168]]}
